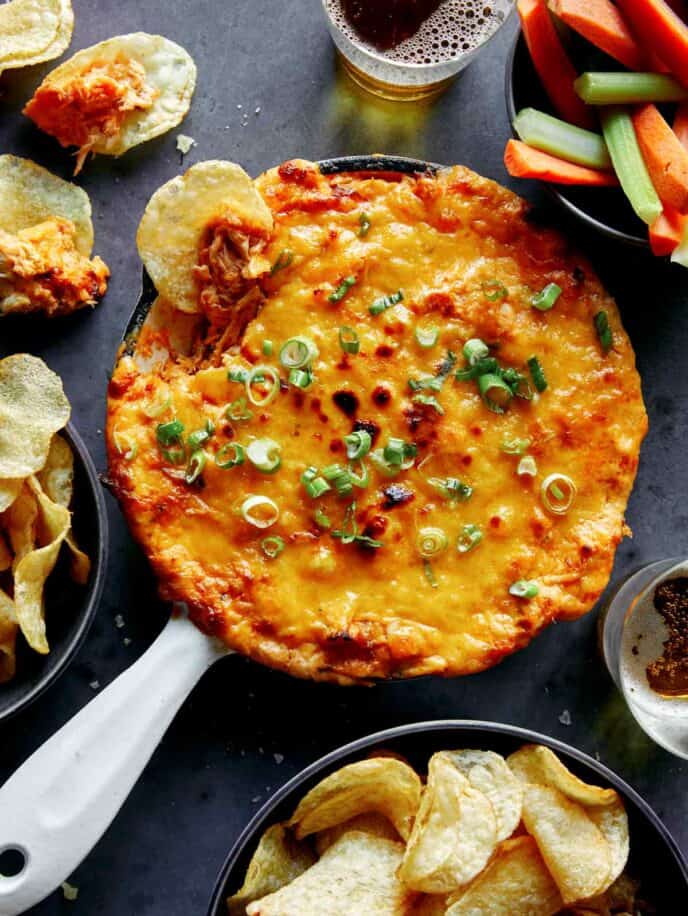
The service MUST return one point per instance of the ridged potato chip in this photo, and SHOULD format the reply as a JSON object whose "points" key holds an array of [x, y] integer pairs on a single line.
{"points": [[33, 407], [537, 764], [8, 637], [178, 217], [355, 876], [454, 834], [381, 784], [515, 883], [488, 772], [612, 822], [154, 77], [30, 194], [25, 26], [277, 861], [573, 847], [32, 571]]}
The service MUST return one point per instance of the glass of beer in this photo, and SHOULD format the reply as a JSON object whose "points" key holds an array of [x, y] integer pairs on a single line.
{"points": [[411, 49]]}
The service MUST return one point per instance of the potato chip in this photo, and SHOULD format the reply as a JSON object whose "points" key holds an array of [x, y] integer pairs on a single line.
{"points": [[8, 637], [538, 764], [32, 21], [30, 194], [572, 846], [372, 823], [32, 571], [515, 883], [21, 521], [429, 905], [612, 822], [356, 875], [5, 554], [454, 834], [277, 861], [177, 216], [489, 773], [9, 490], [33, 407], [380, 784]]}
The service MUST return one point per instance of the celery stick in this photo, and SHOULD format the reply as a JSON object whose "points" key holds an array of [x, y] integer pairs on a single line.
{"points": [[557, 137], [629, 165], [626, 88]]}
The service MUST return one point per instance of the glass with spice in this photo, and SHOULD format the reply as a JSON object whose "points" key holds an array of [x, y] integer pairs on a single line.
{"points": [[644, 640], [411, 49]]}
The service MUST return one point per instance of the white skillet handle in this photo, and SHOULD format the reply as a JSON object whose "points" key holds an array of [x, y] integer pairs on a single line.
{"points": [[58, 804]]}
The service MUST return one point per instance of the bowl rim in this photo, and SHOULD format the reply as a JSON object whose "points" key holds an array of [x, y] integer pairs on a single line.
{"points": [[400, 731], [618, 235], [94, 588]]}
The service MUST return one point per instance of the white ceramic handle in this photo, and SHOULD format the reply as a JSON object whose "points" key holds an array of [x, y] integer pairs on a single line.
{"points": [[58, 804]]}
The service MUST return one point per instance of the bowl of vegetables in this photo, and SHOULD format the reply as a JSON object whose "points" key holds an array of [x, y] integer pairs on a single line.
{"points": [[601, 116]]}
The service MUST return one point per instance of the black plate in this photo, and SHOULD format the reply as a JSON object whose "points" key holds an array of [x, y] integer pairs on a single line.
{"points": [[655, 858], [604, 209], [70, 607]]}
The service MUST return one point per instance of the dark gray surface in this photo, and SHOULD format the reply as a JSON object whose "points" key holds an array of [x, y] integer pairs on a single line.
{"points": [[246, 730]]}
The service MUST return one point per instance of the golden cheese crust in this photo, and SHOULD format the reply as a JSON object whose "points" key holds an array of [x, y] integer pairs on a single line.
{"points": [[468, 261]]}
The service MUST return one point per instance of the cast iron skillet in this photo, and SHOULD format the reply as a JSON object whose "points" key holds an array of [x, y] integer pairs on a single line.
{"points": [[655, 858], [70, 607], [605, 210]]}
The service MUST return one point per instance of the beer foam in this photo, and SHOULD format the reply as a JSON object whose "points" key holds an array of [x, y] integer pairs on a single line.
{"points": [[455, 28]]}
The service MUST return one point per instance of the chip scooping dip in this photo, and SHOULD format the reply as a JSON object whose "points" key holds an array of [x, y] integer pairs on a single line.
{"points": [[46, 237], [115, 95], [34, 31], [36, 487]]}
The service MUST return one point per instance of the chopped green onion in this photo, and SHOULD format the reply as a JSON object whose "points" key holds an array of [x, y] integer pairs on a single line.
{"points": [[524, 588], [361, 479], [339, 477], [427, 337], [348, 533], [629, 164], [284, 259], [300, 378], [481, 367], [385, 302], [259, 511], [604, 332], [264, 455], [342, 289], [348, 339], [268, 347], [195, 467], [558, 138], [495, 392], [321, 520], [527, 467], [545, 299], [451, 488], [619, 88], [174, 455], [558, 492], [428, 400], [272, 546], [378, 459], [232, 449], [435, 382], [519, 384], [494, 290], [298, 352], [537, 373], [357, 444], [169, 433], [470, 537], [364, 225], [431, 541], [238, 410], [261, 374], [429, 573], [200, 437], [157, 408], [314, 485], [399, 453], [237, 374], [514, 446], [475, 350]]}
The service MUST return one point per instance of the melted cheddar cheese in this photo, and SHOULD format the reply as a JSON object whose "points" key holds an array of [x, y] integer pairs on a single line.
{"points": [[347, 611]]}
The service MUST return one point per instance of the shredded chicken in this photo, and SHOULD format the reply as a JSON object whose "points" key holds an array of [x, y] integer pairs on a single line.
{"points": [[42, 271], [90, 108]]}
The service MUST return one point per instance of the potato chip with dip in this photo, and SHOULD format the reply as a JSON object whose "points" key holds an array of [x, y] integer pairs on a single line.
{"points": [[33, 31], [115, 95], [201, 238], [382, 784]]}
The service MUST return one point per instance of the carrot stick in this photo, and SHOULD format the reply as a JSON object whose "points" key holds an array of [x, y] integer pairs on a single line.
{"points": [[602, 24], [662, 30], [681, 124], [667, 231], [522, 161], [665, 157], [553, 66]]}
